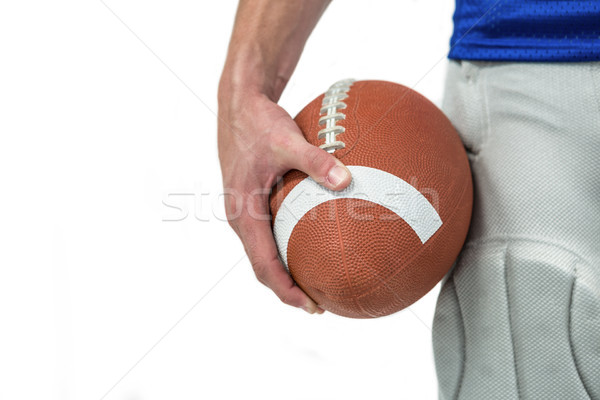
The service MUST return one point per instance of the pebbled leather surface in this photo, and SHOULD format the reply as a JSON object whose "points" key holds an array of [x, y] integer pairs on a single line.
{"points": [[354, 257], [370, 184]]}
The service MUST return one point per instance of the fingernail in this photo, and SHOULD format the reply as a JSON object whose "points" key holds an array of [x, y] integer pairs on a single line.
{"points": [[320, 310], [308, 309], [337, 175]]}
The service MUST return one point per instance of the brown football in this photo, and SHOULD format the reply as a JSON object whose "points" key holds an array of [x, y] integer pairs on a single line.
{"points": [[382, 243]]}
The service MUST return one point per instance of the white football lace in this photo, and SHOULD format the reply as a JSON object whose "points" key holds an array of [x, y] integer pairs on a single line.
{"points": [[330, 114]]}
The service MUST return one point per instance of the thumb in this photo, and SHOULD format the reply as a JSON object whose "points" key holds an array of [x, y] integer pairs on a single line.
{"points": [[321, 166]]}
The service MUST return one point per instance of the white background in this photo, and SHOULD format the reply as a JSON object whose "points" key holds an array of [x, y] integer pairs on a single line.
{"points": [[103, 114]]}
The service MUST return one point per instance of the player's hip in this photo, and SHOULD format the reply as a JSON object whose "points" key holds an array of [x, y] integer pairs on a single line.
{"points": [[532, 131]]}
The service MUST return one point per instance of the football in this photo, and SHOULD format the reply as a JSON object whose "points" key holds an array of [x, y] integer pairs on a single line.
{"points": [[382, 243]]}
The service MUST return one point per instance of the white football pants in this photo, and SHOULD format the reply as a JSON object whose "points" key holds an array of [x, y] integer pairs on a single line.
{"points": [[519, 315]]}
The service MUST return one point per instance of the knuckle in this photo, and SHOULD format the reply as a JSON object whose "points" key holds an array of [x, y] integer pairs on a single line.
{"points": [[316, 160], [260, 269], [232, 223], [232, 211], [230, 207], [285, 298]]}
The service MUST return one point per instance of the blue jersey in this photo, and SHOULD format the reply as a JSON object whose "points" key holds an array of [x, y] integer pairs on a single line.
{"points": [[526, 30]]}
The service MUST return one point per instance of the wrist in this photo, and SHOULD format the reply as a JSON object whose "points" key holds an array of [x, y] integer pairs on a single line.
{"points": [[248, 70]]}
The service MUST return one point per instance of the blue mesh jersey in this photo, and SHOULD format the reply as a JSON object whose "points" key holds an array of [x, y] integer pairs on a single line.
{"points": [[526, 30]]}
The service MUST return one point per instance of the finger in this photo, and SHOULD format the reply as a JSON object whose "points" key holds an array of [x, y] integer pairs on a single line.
{"points": [[323, 167], [262, 252]]}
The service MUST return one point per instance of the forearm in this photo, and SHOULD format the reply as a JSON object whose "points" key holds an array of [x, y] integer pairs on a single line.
{"points": [[266, 43]]}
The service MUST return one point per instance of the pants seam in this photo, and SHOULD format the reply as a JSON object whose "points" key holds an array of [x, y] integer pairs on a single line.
{"points": [[570, 314], [510, 324], [464, 348], [521, 238]]}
